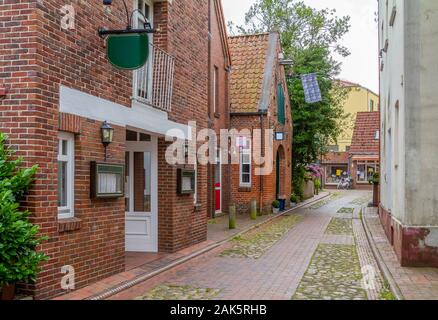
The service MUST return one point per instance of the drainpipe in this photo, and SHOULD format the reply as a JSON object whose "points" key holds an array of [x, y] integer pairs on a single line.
{"points": [[262, 144]]}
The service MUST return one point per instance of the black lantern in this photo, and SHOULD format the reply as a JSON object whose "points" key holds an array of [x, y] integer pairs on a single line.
{"points": [[107, 135]]}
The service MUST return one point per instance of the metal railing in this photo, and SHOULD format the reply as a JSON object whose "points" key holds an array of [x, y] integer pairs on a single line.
{"points": [[153, 83]]}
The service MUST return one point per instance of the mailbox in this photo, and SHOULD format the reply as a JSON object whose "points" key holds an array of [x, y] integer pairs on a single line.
{"points": [[186, 181], [107, 180]]}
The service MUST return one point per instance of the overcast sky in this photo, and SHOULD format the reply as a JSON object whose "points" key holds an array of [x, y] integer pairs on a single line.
{"points": [[362, 65]]}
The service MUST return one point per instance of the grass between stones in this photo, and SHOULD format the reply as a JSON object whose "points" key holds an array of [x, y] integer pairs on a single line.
{"points": [[346, 210], [322, 203], [254, 245], [360, 201], [176, 292], [386, 293], [333, 274], [339, 226]]}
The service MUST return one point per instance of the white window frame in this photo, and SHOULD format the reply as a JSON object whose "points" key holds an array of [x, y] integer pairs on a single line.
{"points": [[67, 212], [136, 18], [245, 151]]}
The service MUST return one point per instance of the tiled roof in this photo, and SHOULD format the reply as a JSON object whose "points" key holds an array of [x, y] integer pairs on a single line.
{"points": [[249, 55], [336, 158], [365, 130]]}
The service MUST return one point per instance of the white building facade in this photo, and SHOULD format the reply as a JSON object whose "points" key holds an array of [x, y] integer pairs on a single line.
{"points": [[408, 42]]}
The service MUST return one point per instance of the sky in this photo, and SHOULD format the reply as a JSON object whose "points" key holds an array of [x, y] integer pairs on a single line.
{"points": [[362, 65]]}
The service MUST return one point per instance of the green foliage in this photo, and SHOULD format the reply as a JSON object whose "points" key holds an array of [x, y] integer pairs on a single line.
{"points": [[294, 199], [276, 204], [19, 260], [318, 184], [375, 179], [309, 37]]}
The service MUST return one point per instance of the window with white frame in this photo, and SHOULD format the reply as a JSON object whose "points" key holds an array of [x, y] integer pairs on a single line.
{"points": [[143, 76], [366, 171], [245, 164], [66, 175]]}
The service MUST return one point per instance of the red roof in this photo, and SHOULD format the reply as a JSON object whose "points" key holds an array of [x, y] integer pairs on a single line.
{"points": [[366, 130]]}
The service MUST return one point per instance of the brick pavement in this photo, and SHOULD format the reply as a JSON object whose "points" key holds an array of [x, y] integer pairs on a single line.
{"points": [[414, 283], [276, 275], [218, 231]]}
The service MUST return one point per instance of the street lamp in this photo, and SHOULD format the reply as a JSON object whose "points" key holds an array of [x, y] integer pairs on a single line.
{"points": [[107, 136]]}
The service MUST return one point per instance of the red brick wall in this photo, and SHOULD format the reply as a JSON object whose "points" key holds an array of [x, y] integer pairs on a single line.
{"points": [[219, 119], [39, 57], [264, 187]]}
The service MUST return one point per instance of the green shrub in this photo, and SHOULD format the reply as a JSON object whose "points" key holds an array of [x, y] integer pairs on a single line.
{"points": [[19, 260], [294, 199], [317, 184], [276, 204]]}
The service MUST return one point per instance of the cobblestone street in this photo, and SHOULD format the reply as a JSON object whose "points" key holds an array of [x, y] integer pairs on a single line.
{"points": [[317, 252]]}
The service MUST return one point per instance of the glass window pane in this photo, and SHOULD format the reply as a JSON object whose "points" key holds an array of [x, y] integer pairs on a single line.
{"points": [[245, 168], [64, 147], [145, 137], [131, 135], [62, 184], [361, 173], [127, 183], [246, 178], [142, 181]]}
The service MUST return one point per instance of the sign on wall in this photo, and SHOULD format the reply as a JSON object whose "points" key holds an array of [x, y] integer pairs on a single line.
{"points": [[128, 51]]}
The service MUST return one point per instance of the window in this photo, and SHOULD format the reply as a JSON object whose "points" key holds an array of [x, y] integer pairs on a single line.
{"points": [[66, 175], [281, 102], [215, 88], [366, 171], [371, 105], [335, 173], [245, 164], [143, 77]]}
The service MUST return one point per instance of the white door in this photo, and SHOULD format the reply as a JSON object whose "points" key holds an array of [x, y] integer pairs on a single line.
{"points": [[141, 196]]}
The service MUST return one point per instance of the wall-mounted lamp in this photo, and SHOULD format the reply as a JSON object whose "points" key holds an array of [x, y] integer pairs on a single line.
{"points": [[107, 136]]}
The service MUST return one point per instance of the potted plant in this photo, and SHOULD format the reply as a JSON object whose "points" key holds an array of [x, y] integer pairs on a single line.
{"points": [[375, 181], [19, 260], [293, 200], [276, 207]]}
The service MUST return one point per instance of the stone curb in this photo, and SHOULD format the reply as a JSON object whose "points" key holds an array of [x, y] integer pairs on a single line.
{"points": [[131, 283], [380, 261]]}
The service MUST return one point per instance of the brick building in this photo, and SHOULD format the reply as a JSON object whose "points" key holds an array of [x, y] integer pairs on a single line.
{"points": [[258, 100], [364, 151], [60, 88], [219, 113]]}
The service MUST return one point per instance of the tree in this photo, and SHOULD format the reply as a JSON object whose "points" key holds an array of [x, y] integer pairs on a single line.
{"points": [[311, 38], [19, 239]]}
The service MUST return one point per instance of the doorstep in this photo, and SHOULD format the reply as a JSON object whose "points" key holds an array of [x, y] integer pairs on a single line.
{"points": [[218, 234]]}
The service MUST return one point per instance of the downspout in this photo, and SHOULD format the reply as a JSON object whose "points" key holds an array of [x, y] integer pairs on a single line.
{"points": [[262, 144], [210, 189], [228, 125]]}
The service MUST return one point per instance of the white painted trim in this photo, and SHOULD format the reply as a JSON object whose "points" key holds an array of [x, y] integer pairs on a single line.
{"points": [[70, 160], [242, 152], [139, 116], [152, 147], [219, 163]]}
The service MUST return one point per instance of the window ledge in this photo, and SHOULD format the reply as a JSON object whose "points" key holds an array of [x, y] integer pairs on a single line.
{"points": [[68, 225], [245, 189]]}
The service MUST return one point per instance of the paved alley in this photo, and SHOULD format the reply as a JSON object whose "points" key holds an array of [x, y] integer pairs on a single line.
{"points": [[317, 252]]}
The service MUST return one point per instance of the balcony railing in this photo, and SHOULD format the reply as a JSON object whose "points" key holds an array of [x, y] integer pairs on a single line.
{"points": [[153, 83]]}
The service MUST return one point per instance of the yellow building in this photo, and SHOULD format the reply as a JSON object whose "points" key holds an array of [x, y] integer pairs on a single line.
{"points": [[360, 99]]}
